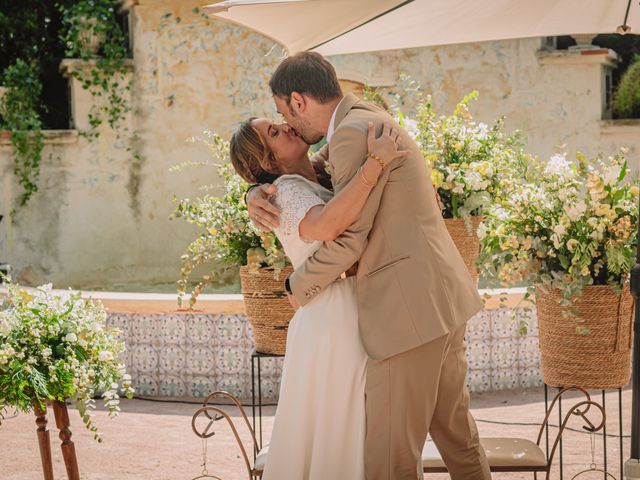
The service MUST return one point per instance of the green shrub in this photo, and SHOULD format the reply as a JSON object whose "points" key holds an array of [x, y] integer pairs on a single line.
{"points": [[626, 101]]}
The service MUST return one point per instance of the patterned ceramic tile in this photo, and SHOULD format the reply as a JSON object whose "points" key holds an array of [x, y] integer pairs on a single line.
{"points": [[173, 386], [504, 324], [144, 358], [478, 381], [200, 329], [529, 352], [201, 361], [504, 379], [504, 352], [172, 329], [172, 359], [478, 327], [479, 354], [194, 354]]}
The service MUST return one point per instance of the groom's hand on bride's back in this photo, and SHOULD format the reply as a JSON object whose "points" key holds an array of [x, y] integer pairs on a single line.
{"points": [[263, 214]]}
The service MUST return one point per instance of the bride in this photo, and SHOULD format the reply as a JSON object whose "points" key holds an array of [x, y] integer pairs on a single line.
{"points": [[319, 429]]}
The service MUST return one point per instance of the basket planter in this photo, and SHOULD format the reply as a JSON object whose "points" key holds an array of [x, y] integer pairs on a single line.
{"points": [[468, 244], [598, 360], [267, 308]]}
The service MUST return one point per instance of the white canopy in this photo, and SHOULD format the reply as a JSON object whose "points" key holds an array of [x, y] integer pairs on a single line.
{"points": [[334, 27], [300, 24]]}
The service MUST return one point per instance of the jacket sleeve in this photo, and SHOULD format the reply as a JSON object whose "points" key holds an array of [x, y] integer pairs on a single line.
{"points": [[348, 152]]}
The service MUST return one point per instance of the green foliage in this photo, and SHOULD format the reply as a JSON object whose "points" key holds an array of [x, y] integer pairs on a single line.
{"points": [[19, 109], [58, 347], [226, 239], [626, 100], [105, 74]]}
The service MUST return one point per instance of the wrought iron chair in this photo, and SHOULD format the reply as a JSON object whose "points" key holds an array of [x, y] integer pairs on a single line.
{"points": [[212, 414], [519, 454], [503, 454]]}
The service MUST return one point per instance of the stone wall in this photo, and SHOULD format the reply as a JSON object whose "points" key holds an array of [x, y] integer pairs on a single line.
{"points": [[101, 218]]}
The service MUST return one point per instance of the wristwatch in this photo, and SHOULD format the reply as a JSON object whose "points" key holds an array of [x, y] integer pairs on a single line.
{"points": [[287, 286]]}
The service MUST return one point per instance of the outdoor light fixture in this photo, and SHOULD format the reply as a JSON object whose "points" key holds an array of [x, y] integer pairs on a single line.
{"points": [[624, 28]]}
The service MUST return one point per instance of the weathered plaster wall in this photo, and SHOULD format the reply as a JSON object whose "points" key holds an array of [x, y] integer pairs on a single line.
{"points": [[554, 97], [85, 227]]}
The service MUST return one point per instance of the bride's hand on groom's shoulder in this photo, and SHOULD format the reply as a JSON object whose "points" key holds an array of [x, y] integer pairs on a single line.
{"points": [[387, 145], [263, 214]]}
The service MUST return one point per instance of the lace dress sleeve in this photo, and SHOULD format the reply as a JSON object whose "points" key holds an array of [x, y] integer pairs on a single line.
{"points": [[294, 198]]}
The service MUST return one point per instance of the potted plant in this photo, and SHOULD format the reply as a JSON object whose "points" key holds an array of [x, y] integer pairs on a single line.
{"points": [[468, 162], [227, 241], [56, 348], [569, 230], [626, 100]]}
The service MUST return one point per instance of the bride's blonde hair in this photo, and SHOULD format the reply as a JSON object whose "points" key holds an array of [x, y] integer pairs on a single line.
{"points": [[250, 156]]}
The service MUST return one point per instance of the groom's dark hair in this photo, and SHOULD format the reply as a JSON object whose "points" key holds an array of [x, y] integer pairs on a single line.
{"points": [[306, 73]]}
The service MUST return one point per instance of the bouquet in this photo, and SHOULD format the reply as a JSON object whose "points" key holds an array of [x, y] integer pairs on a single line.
{"points": [[57, 347]]}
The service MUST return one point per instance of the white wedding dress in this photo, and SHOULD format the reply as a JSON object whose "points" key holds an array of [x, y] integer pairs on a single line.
{"points": [[319, 427]]}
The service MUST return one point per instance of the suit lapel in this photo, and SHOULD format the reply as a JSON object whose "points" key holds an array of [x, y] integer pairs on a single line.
{"points": [[347, 104]]}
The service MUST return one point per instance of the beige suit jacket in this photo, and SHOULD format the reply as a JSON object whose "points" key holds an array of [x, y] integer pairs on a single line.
{"points": [[412, 284]]}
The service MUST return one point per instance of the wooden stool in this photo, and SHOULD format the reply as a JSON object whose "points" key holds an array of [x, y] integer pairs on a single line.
{"points": [[61, 415]]}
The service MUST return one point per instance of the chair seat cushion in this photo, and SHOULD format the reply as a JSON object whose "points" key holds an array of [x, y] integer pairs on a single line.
{"points": [[501, 453]]}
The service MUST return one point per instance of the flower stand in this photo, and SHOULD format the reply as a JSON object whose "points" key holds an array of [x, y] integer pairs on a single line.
{"points": [[61, 415]]}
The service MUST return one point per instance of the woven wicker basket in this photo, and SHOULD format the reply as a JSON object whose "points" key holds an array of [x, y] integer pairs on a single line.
{"points": [[267, 308], [599, 360], [468, 244]]}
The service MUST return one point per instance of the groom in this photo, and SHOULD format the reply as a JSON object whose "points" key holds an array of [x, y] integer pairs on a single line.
{"points": [[415, 294]]}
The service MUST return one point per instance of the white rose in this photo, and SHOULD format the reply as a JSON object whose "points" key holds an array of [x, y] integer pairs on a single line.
{"points": [[71, 337]]}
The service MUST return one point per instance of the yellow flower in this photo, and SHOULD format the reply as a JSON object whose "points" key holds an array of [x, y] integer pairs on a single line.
{"points": [[634, 191], [437, 177], [572, 244], [584, 271], [213, 231], [601, 209]]}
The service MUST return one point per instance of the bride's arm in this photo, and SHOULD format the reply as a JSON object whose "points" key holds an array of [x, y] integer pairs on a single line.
{"points": [[328, 222]]}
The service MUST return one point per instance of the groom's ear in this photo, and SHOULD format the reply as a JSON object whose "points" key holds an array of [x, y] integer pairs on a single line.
{"points": [[298, 103]]}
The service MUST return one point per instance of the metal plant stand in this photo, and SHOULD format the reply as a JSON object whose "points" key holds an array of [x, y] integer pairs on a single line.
{"points": [[604, 431], [256, 397]]}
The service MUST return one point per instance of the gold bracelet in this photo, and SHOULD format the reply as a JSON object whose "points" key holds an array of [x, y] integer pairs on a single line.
{"points": [[364, 180], [378, 159]]}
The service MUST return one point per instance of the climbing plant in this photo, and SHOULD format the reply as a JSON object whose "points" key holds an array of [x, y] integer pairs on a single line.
{"points": [[93, 34], [20, 116]]}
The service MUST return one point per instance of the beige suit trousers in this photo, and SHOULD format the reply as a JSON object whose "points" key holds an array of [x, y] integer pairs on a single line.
{"points": [[418, 392]]}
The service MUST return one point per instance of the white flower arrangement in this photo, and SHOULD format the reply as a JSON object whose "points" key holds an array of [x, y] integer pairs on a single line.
{"points": [[564, 225], [57, 347]]}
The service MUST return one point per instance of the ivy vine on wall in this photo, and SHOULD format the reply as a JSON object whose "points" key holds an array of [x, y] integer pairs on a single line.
{"points": [[20, 112], [94, 35]]}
